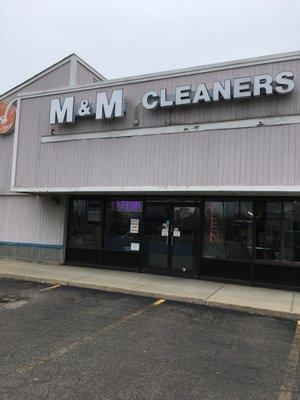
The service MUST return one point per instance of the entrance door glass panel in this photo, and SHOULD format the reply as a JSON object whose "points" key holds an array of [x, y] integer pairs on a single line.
{"points": [[184, 238], [157, 238], [171, 238]]}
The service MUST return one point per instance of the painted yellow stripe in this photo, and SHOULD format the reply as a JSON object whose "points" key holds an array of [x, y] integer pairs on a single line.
{"points": [[50, 287], [88, 338], [286, 390], [158, 302]]}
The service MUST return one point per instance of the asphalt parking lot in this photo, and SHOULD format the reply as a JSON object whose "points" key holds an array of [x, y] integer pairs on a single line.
{"points": [[68, 343]]}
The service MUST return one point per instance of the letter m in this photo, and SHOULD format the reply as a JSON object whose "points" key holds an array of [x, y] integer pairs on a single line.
{"points": [[110, 108], [60, 114]]}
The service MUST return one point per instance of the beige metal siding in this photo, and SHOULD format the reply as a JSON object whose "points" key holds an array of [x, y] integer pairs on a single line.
{"points": [[31, 219], [241, 157], [55, 79], [238, 157], [58, 78], [84, 75], [202, 113], [6, 150]]}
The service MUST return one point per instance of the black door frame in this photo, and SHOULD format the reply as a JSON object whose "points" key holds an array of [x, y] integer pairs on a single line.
{"points": [[170, 205]]}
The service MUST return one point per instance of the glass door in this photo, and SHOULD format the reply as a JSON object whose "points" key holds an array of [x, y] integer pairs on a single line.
{"points": [[84, 232], [184, 239], [171, 238], [157, 229]]}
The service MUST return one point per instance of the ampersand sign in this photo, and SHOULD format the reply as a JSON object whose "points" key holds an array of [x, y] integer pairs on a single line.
{"points": [[84, 108]]}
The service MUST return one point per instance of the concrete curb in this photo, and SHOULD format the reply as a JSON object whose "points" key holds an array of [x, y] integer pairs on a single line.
{"points": [[144, 293], [252, 310]]}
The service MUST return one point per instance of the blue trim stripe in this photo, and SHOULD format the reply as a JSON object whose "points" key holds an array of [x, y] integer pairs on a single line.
{"points": [[41, 245]]}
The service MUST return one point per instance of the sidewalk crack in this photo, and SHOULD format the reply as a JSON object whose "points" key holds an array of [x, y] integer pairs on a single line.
{"points": [[221, 287], [293, 300]]}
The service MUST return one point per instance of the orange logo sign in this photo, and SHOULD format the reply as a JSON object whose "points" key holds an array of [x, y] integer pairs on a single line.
{"points": [[7, 117]]}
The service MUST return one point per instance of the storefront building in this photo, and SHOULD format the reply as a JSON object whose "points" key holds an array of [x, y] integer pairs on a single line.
{"points": [[193, 173]]}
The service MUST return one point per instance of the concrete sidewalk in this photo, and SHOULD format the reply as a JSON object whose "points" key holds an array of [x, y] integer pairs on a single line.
{"points": [[272, 302]]}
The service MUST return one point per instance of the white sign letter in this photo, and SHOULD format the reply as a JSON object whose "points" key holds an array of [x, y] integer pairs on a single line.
{"points": [[112, 108], [182, 95], [241, 87], [153, 97], [262, 82], [164, 102], [60, 114], [201, 94], [285, 80], [220, 90]]}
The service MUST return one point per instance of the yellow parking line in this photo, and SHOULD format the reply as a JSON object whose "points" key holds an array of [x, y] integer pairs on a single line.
{"points": [[158, 302], [50, 287], [286, 390], [85, 339]]}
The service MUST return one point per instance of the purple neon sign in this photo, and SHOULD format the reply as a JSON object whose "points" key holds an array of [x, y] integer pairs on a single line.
{"points": [[125, 205]]}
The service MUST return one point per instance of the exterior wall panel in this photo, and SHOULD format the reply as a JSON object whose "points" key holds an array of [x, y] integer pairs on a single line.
{"points": [[55, 79], [202, 113], [258, 156], [31, 253], [6, 151], [264, 156], [84, 75], [58, 78], [31, 220]]}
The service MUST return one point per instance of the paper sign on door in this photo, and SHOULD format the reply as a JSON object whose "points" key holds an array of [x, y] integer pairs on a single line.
{"points": [[135, 246], [176, 232], [165, 232], [134, 225]]}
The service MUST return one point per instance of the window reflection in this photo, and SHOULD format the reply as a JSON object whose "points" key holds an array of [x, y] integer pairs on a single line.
{"points": [[268, 231], [228, 230], [123, 224], [214, 233], [291, 231], [85, 224], [278, 231]]}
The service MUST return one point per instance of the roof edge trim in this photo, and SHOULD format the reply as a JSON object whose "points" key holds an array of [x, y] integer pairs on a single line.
{"points": [[174, 73]]}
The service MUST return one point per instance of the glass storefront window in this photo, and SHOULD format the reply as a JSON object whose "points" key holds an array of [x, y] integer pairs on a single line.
{"points": [[268, 231], [123, 225], [85, 224], [278, 231], [228, 230], [214, 233], [291, 231]]}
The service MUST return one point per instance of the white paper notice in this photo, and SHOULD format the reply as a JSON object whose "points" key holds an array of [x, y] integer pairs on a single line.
{"points": [[134, 225], [135, 246], [165, 232], [176, 233]]}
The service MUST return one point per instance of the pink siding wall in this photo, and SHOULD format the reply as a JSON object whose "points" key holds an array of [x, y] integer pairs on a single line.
{"points": [[85, 76], [31, 219], [239, 157]]}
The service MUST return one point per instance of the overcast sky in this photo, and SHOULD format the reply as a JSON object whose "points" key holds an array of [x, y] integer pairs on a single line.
{"points": [[129, 37]]}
